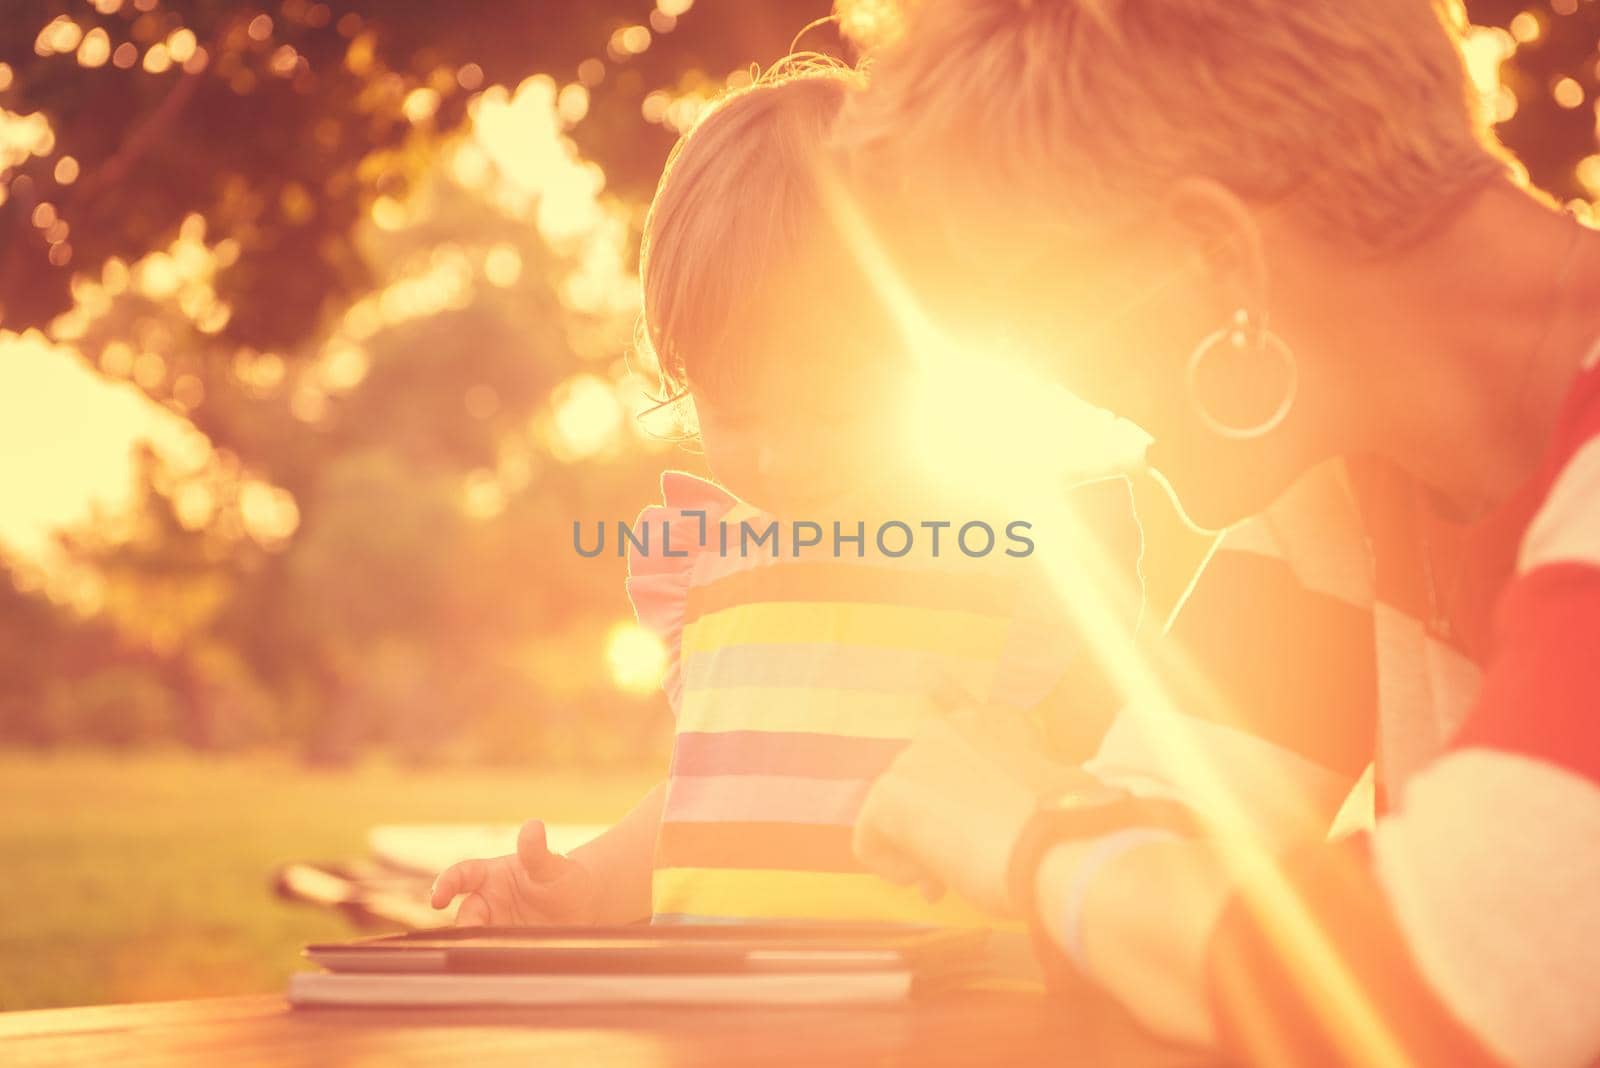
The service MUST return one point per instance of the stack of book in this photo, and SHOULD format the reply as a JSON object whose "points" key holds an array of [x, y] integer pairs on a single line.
{"points": [[705, 965]]}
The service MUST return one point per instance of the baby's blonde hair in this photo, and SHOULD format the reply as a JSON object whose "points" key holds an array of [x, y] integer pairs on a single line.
{"points": [[1361, 111], [752, 301]]}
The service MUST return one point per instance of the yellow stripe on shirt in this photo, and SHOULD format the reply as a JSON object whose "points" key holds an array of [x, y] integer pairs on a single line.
{"points": [[747, 894], [852, 713], [954, 633]]}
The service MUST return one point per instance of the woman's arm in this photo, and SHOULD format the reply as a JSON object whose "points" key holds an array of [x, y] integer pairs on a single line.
{"points": [[950, 812], [1298, 963], [1142, 924]]}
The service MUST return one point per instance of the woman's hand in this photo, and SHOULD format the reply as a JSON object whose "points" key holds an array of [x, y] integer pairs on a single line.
{"points": [[529, 888], [947, 813]]}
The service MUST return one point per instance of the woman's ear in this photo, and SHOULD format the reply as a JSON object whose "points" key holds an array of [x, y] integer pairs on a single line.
{"points": [[1225, 242]]}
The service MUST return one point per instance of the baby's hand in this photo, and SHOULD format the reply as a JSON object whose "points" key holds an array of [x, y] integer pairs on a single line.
{"points": [[533, 887]]}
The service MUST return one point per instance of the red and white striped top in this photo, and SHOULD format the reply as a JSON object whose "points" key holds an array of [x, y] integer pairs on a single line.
{"points": [[1470, 913]]}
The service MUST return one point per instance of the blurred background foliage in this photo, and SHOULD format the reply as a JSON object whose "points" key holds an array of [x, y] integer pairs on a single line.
{"points": [[369, 265]]}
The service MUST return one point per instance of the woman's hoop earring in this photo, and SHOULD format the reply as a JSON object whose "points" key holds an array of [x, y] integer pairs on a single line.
{"points": [[1238, 336]]}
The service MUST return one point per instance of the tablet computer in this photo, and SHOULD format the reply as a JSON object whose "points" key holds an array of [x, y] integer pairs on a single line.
{"points": [[666, 949]]}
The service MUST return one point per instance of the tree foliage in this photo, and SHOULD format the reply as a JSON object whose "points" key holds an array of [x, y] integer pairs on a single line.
{"points": [[377, 253], [280, 122], [405, 346]]}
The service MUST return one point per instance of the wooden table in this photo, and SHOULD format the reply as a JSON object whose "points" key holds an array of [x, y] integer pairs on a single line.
{"points": [[991, 1029]]}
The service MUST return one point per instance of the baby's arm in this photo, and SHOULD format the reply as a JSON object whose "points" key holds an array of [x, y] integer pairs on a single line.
{"points": [[622, 859], [604, 881]]}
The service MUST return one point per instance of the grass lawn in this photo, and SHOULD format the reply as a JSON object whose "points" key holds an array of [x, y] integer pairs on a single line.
{"points": [[144, 877]]}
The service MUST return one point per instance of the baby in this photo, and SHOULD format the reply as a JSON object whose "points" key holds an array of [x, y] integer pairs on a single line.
{"points": [[845, 594]]}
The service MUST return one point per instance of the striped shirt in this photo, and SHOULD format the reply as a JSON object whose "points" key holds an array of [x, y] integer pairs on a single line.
{"points": [[1345, 628], [797, 674], [1468, 912]]}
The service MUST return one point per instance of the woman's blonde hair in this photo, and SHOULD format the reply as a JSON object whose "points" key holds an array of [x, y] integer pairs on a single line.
{"points": [[752, 301], [1359, 110]]}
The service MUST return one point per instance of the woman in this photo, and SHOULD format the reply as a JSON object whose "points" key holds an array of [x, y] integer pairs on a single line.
{"points": [[1288, 238]]}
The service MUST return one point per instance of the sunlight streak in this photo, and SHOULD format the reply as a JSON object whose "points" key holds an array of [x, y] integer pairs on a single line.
{"points": [[1099, 603]]}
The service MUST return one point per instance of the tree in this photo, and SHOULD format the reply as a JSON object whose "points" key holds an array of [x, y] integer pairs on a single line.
{"points": [[378, 253], [281, 122], [404, 342], [1550, 110]]}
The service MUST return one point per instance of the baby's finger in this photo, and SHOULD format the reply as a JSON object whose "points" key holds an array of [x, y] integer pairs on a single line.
{"points": [[533, 853], [460, 878]]}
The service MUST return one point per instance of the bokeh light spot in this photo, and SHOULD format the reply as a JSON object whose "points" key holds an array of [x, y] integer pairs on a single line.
{"points": [[635, 658]]}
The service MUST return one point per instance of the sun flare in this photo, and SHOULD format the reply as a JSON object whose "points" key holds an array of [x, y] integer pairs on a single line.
{"points": [[1154, 679]]}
